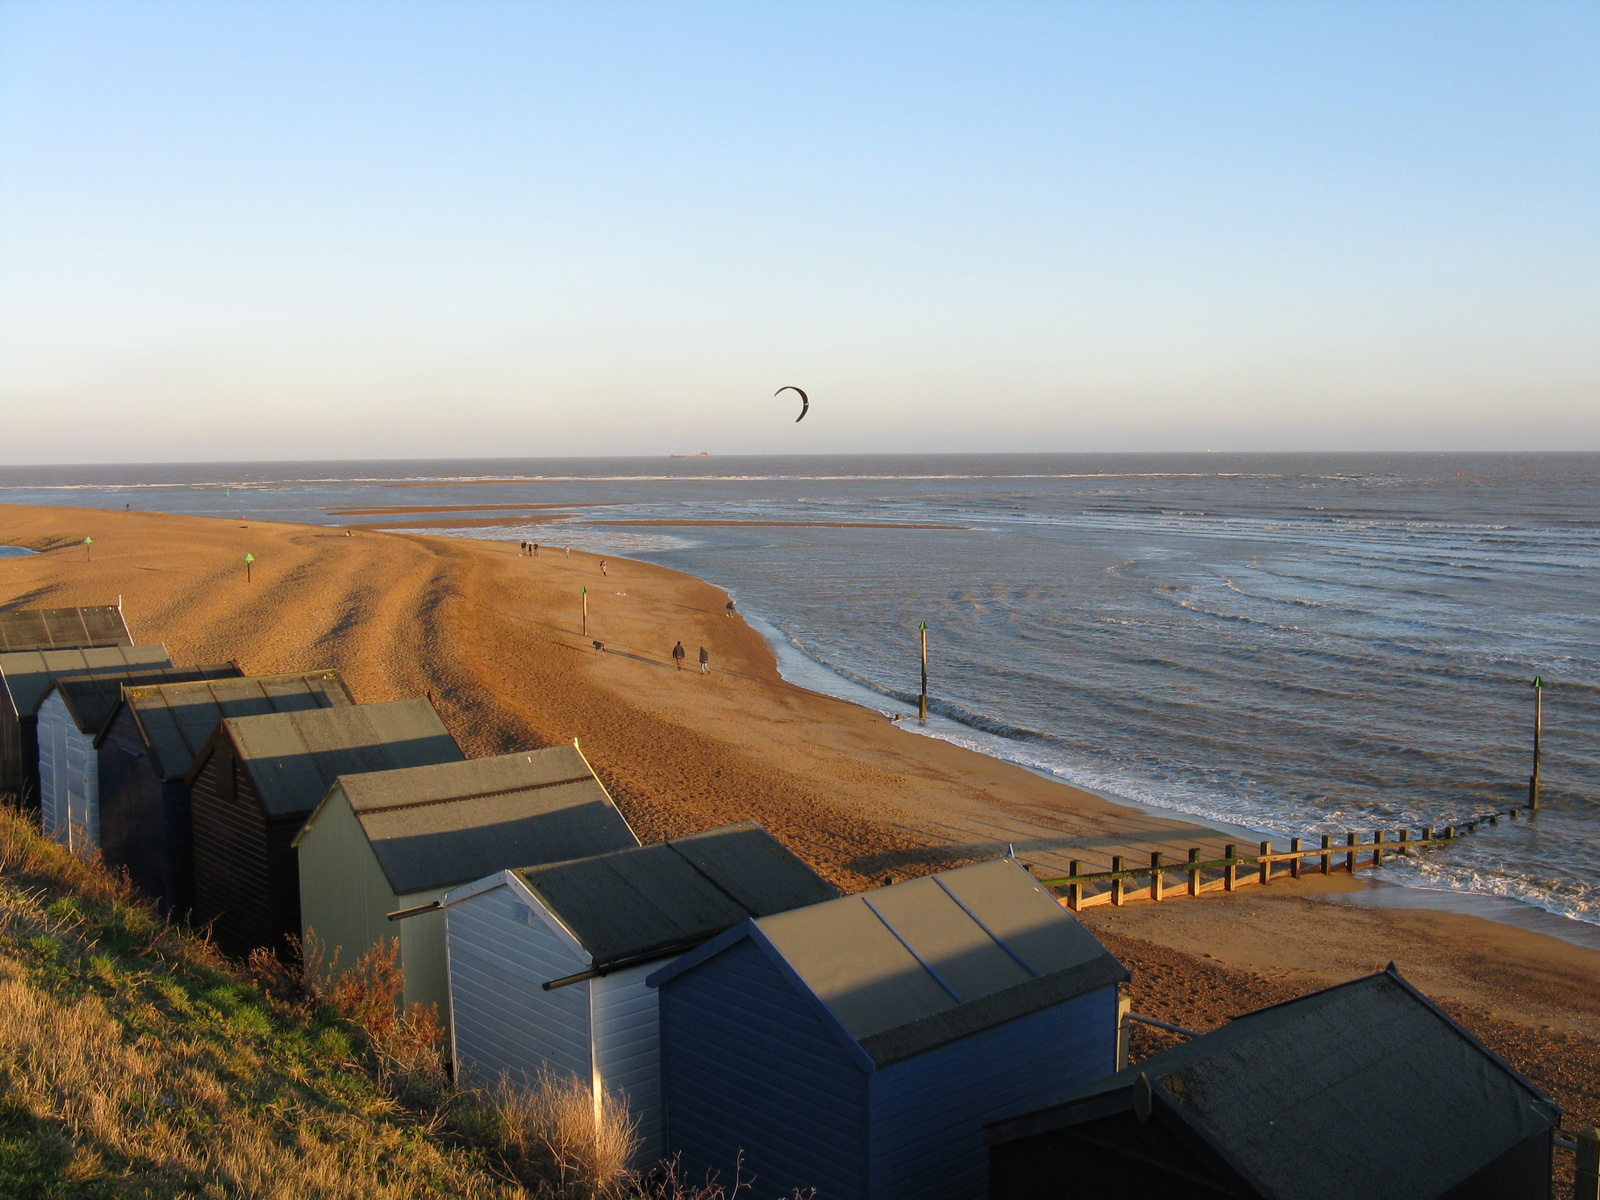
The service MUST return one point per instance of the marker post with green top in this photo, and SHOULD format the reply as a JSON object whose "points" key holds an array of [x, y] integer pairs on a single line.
{"points": [[1538, 732], [88, 556], [248, 559]]}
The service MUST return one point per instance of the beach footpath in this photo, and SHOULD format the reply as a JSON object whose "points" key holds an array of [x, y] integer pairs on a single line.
{"points": [[516, 650]]}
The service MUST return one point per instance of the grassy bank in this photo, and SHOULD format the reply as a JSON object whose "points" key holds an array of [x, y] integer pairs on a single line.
{"points": [[135, 1061]]}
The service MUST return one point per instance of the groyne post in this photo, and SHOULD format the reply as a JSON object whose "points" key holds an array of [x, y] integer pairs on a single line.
{"points": [[1327, 859], [1230, 868], [1116, 880], [1157, 877], [1538, 730], [1350, 855], [1264, 861], [1377, 847], [922, 702], [1194, 870], [1074, 889], [1295, 845]]}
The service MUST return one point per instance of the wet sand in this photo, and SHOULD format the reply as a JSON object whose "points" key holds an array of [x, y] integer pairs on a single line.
{"points": [[495, 637]]}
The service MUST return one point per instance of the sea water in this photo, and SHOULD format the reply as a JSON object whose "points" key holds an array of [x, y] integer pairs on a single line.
{"points": [[1294, 643]]}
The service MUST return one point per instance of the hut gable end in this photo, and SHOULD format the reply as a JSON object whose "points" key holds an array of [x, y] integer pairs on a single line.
{"points": [[749, 1064]]}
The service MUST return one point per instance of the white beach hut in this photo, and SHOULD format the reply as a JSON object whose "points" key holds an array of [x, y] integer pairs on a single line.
{"points": [[71, 719], [547, 964]]}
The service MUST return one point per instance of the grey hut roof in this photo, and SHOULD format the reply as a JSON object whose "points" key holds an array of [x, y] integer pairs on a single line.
{"points": [[62, 628], [178, 719], [1371, 1063], [917, 964], [294, 757], [436, 826], [29, 674], [91, 700], [631, 903]]}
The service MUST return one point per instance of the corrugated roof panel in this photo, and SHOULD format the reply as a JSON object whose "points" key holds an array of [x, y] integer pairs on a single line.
{"points": [[1022, 914], [179, 719], [435, 826], [1368, 1063], [754, 868], [29, 674], [633, 902], [62, 628], [913, 965], [92, 699], [294, 757], [952, 945]]}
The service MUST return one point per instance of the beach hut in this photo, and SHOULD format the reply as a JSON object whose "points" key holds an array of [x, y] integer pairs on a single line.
{"points": [[145, 754], [390, 841], [256, 781], [548, 964], [70, 721], [62, 628], [26, 677], [859, 1046], [1364, 1091]]}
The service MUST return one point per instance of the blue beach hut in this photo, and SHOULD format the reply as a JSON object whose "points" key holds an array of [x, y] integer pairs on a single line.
{"points": [[859, 1045]]}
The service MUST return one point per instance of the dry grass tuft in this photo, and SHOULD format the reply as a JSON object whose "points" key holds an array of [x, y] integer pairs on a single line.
{"points": [[552, 1127]]}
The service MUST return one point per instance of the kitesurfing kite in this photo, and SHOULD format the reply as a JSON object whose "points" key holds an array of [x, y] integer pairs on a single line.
{"points": [[805, 404]]}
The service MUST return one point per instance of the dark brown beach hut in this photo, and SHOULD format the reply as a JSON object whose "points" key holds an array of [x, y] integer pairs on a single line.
{"points": [[62, 628], [259, 778], [1364, 1091], [145, 753], [26, 677]]}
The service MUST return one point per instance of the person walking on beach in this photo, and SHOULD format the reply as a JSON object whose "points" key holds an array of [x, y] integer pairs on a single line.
{"points": [[569, 551], [705, 662], [730, 608], [602, 566], [536, 549], [677, 655]]}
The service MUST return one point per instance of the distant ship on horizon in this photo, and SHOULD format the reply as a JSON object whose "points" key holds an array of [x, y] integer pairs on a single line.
{"points": [[702, 454]]}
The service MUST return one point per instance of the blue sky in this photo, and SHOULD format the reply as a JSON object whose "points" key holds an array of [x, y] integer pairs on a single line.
{"points": [[344, 230]]}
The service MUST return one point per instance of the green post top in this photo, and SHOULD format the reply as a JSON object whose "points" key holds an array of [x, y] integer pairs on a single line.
{"points": [[249, 558], [585, 591], [88, 541], [1538, 681], [924, 627]]}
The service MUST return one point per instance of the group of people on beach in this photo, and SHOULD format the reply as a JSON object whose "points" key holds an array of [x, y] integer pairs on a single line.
{"points": [[531, 550], [679, 654]]}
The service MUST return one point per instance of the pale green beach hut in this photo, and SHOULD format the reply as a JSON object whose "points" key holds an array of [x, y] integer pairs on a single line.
{"points": [[387, 841]]}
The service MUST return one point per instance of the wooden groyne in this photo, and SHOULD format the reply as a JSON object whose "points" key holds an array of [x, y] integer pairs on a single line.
{"points": [[1195, 876]]}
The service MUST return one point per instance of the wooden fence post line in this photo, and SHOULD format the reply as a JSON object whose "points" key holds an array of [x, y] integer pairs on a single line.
{"points": [[1194, 871], [1377, 851], [1157, 887], [1264, 859], [1405, 839], [1327, 859], [1116, 881], [1230, 867], [1294, 863], [1350, 855], [1074, 889]]}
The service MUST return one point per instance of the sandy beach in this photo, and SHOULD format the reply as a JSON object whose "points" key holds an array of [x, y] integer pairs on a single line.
{"points": [[495, 638]]}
